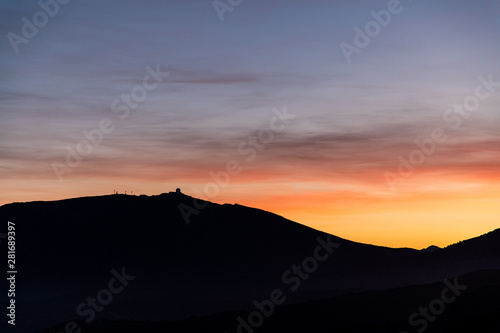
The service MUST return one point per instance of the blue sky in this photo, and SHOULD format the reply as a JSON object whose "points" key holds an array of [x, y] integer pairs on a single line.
{"points": [[352, 120]]}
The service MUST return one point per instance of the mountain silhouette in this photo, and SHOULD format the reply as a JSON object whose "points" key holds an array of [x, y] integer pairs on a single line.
{"points": [[215, 267], [431, 248]]}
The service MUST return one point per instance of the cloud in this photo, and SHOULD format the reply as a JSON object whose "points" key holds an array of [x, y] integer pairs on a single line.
{"points": [[209, 77]]}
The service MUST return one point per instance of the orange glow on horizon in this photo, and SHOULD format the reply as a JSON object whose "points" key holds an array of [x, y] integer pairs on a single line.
{"points": [[416, 216]]}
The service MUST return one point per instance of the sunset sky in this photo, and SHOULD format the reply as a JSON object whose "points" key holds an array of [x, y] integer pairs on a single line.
{"points": [[327, 165]]}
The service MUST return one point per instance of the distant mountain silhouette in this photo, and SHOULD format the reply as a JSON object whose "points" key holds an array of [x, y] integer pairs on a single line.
{"points": [[431, 248], [477, 310], [227, 257]]}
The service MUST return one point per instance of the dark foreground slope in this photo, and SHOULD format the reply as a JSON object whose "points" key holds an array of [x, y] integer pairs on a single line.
{"points": [[476, 308], [227, 257]]}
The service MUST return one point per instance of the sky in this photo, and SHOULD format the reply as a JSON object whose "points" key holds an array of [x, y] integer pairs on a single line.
{"points": [[376, 121]]}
